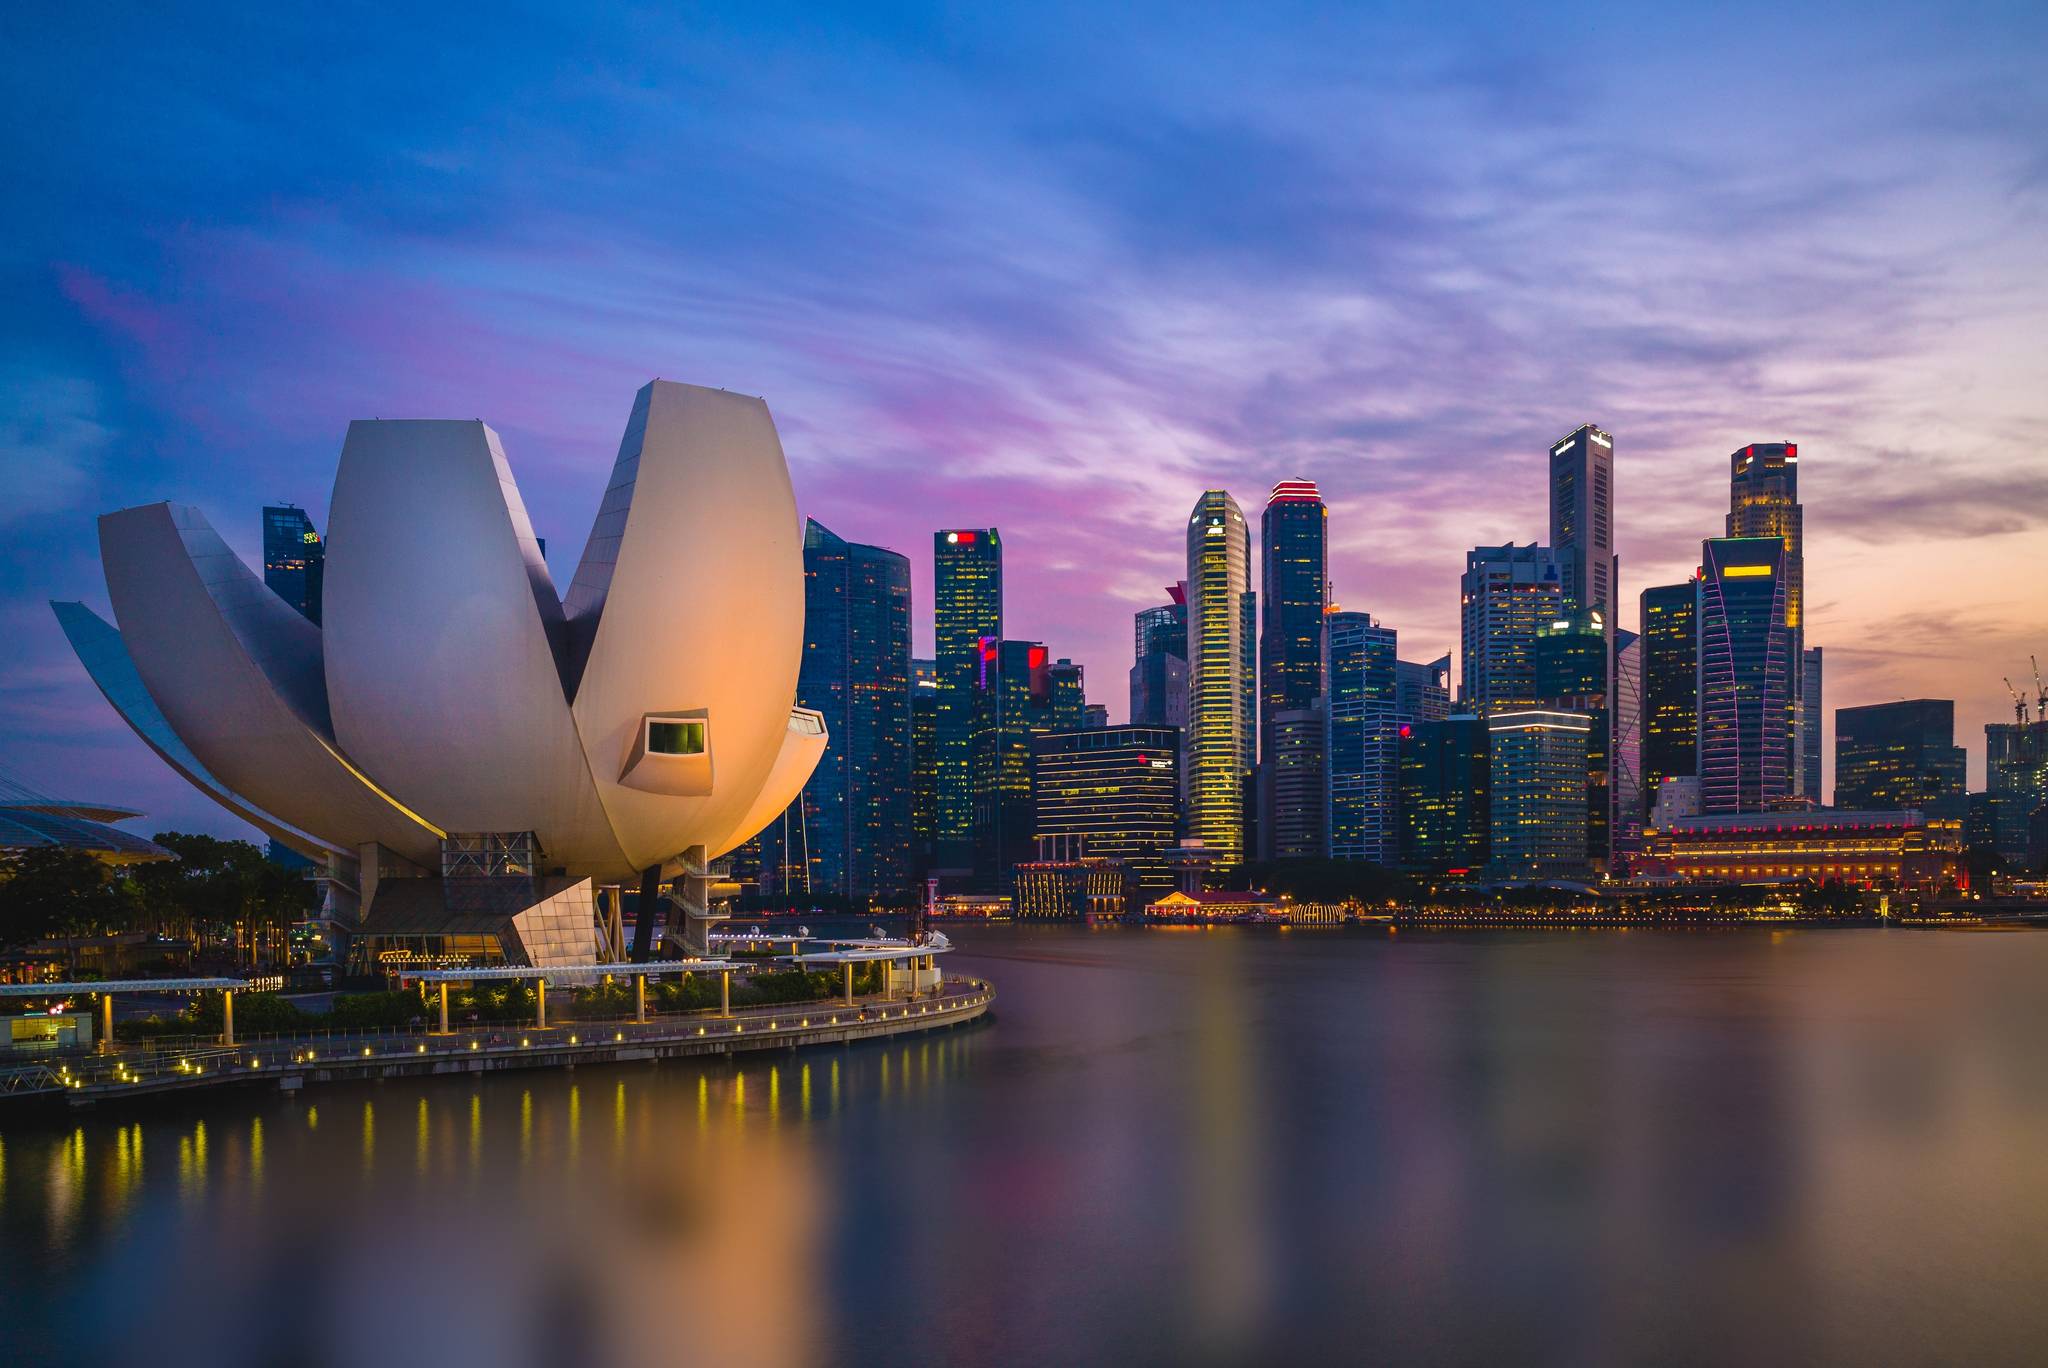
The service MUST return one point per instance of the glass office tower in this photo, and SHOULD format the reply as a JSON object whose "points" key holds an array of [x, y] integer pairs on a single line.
{"points": [[856, 816], [294, 560], [1446, 788], [1537, 800], [1159, 669], [1747, 700], [1508, 594], [1670, 683], [1221, 739], [1890, 757], [1293, 591], [1362, 724], [1110, 793], [1763, 501], [967, 606]]}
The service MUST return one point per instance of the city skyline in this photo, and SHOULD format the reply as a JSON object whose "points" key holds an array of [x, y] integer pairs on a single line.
{"points": [[1150, 297]]}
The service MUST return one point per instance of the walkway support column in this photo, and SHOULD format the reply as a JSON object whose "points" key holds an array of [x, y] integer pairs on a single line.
{"points": [[640, 997], [725, 992], [849, 982], [444, 1007], [227, 1016], [643, 923], [540, 1001], [106, 1023]]}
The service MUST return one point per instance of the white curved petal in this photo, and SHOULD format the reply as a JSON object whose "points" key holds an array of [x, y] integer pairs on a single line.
{"points": [[442, 630], [100, 649], [237, 674], [803, 745], [689, 597]]}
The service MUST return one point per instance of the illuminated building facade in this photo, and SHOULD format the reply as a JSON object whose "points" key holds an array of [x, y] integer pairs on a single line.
{"points": [[1294, 592], [1572, 675], [1422, 689], [1363, 727], [1446, 786], [1625, 811], [967, 607], [1811, 700], [1296, 766], [1747, 686], [856, 809], [1159, 674], [1537, 799], [1890, 850], [1077, 888], [1221, 737], [1111, 793], [1671, 684], [1013, 699], [1891, 757], [2016, 780], [1582, 523], [1508, 593], [924, 766], [1763, 501], [294, 560]]}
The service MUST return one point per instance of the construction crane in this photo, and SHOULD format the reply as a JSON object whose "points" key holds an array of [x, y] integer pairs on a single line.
{"points": [[2019, 702], [2040, 694]]}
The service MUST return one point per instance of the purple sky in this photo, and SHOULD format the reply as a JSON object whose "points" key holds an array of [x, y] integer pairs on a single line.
{"points": [[1055, 271]]}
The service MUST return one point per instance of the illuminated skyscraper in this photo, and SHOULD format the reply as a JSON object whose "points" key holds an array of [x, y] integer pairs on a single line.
{"points": [[1446, 783], [1507, 595], [1890, 757], [1763, 501], [1159, 672], [1747, 681], [294, 561], [1362, 724], [856, 809], [1221, 736], [1110, 793], [1537, 802], [1016, 696], [2016, 789], [1626, 811], [924, 766], [1811, 698], [1296, 766], [967, 605], [1294, 591], [1422, 691], [1671, 685], [1069, 696], [1572, 669], [1582, 523]]}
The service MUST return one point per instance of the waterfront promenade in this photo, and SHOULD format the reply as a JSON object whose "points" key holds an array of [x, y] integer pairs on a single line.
{"points": [[304, 1059]]}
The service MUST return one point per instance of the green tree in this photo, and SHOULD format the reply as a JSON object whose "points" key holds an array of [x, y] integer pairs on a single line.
{"points": [[58, 891]]}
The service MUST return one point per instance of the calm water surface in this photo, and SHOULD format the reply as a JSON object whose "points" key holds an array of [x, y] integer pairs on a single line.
{"points": [[1223, 1146]]}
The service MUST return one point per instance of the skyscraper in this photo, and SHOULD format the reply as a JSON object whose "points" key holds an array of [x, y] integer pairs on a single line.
{"points": [[1069, 696], [1811, 698], [1220, 740], [1763, 501], [1159, 672], [294, 561], [1507, 594], [1362, 724], [967, 606], [1296, 765], [924, 766], [1572, 674], [1537, 798], [1626, 811], [1446, 783], [1671, 685], [1582, 523], [1746, 688], [1015, 697], [1294, 587], [856, 671], [1422, 690], [2016, 787], [1110, 793], [1890, 757]]}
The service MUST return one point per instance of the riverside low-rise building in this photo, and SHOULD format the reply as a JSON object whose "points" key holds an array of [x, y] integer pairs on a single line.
{"points": [[1903, 850]]}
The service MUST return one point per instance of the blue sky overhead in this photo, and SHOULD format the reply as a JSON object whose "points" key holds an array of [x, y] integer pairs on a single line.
{"points": [[1057, 269]]}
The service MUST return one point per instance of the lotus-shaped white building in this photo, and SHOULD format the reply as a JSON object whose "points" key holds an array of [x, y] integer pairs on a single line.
{"points": [[452, 712]]}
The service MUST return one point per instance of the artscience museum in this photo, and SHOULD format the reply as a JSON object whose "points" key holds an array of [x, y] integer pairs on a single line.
{"points": [[470, 755]]}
